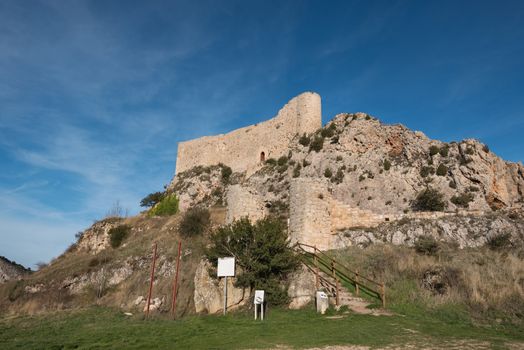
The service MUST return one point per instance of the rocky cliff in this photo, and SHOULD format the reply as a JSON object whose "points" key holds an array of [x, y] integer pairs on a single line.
{"points": [[10, 270]]}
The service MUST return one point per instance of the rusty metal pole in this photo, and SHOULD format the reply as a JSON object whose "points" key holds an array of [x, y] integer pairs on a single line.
{"points": [[175, 282], [357, 288], [383, 287], [151, 280], [317, 281]]}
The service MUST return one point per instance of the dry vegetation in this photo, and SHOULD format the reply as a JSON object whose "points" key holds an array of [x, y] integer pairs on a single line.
{"points": [[486, 283]]}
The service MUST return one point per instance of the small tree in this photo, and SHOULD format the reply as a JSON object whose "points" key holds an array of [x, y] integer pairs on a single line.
{"points": [[430, 200], [167, 206], [194, 222], [328, 173], [261, 251], [433, 150], [317, 144], [387, 164], [151, 199], [117, 235], [442, 170], [304, 140], [226, 173]]}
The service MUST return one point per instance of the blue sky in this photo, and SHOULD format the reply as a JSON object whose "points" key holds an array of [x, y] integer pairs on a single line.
{"points": [[95, 95]]}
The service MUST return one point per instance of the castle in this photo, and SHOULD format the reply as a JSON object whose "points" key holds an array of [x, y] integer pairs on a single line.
{"points": [[368, 194], [246, 148]]}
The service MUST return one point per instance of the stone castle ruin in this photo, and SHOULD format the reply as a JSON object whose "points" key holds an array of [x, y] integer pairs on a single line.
{"points": [[365, 195], [246, 148]]}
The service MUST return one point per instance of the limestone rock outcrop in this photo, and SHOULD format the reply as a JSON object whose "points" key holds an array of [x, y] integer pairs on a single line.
{"points": [[10, 270], [209, 293]]}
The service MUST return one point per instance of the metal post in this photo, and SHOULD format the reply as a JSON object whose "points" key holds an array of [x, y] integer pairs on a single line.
{"points": [[225, 295], [383, 287], [175, 282], [357, 288], [256, 310], [151, 280], [262, 312], [317, 281]]}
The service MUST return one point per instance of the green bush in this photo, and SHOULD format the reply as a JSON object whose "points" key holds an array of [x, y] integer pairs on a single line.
{"points": [[485, 148], [317, 144], [328, 172], [271, 161], [304, 140], [226, 173], [462, 200], [430, 200], [296, 170], [152, 199], [168, 206], [117, 235], [194, 222], [427, 170], [426, 245], [442, 170], [339, 176], [282, 160], [387, 164], [470, 150], [329, 131], [339, 158], [262, 254], [499, 241], [433, 150], [444, 151]]}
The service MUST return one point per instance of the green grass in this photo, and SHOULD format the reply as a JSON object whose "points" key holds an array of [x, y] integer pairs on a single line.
{"points": [[99, 328]]}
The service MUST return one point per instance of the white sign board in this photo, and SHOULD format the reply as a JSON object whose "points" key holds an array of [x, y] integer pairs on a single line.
{"points": [[226, 267], [259, 297]]}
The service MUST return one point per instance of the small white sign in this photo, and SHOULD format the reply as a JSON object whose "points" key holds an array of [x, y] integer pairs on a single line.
{"points": [[226, 267], [259, 297]]}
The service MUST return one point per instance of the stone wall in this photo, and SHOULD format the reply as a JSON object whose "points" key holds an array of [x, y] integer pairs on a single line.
{"points": [[241, 202], [316, 217], [241, 149]]}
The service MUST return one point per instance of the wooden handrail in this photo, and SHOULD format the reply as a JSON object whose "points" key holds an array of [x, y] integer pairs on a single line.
{"points": [[320, 257]]}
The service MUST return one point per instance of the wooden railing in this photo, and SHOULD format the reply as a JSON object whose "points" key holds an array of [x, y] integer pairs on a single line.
{"points": [[326, 263]]}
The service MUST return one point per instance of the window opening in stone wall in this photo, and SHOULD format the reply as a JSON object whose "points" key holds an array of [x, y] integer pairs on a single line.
{"points": [[262, 157]]}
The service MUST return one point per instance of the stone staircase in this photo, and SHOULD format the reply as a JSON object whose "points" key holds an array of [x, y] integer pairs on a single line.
{"points": [[346, 298]]}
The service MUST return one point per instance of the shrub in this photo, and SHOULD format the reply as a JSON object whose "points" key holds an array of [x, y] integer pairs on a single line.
{"points": [[473, 188], [339, 158], [433, 150], [194, 222], [305, 163], [168, 206], [452, 184], [271, 161], [117, 235], [328, 172], [361, 177], [339, 176], [426, 245], [368, 117], [226, 173], [151, 199], [327, 132], [296, 170], [462, 200], [430, 200], [282, 160], [470, 150], [485, 148], [262, 253], [387, 164], [282, 168], [499, 241], [317, 144], [442, 170], [444, 151], [427, 170], [304, 140]]}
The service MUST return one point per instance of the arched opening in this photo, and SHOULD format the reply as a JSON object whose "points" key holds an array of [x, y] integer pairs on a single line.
{"points": [[262, 157]]}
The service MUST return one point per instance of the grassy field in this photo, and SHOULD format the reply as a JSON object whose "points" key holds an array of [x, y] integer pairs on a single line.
{"points": [[103, 328]]}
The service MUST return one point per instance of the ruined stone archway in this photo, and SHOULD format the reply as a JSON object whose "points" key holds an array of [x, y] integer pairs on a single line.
{"points": [[262, 156]]}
